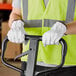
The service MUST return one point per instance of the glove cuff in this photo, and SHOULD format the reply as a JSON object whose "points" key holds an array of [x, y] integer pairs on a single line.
{"points": [[59, 27], [17, 23]]}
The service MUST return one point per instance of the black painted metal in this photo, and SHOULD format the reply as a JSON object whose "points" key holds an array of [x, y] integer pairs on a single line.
{"points": [[32, 56], [4, 45], [64, 51]]}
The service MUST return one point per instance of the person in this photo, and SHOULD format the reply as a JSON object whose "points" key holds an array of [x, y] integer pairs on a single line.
{"points": [[51, 19]]}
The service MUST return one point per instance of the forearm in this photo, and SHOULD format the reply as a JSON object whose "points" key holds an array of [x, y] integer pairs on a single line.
{"points": [[71, 28], [15, 15]]}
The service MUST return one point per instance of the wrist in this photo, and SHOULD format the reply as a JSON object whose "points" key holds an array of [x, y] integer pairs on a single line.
{"points": [[59, 27]]}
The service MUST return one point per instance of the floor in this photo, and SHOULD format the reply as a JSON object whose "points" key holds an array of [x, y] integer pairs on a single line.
{"points": [[5, 71]]}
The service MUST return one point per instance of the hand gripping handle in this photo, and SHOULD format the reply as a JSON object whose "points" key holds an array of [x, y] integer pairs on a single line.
{"points": [[39, 38], [64, 52], [4, 46]]}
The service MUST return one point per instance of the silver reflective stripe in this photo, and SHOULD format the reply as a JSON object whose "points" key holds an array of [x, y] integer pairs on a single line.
{"points": [[52, 65], [38, 23], [46, 2], [50, 23], [70, 10], [33, 23], [25, 9]]}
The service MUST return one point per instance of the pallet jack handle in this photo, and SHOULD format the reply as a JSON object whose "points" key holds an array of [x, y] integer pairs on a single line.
{"points": [[34, 40], [4, 46]]}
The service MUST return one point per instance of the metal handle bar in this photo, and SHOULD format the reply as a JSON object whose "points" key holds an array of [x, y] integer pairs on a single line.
{"points": [[4, 45], [28, 37], [39, 38], [64, 51]]}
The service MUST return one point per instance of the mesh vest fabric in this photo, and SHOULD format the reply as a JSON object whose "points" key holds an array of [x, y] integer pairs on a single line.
{"points": [[55, 10]]}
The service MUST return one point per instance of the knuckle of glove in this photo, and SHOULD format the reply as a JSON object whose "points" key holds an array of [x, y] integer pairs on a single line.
{"points": [[46, 38], [16, 35], [59, 27], [17, 24]]}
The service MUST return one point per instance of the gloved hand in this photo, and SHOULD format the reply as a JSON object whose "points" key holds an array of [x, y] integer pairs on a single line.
{"points": [[17, 33], [54, 35]]}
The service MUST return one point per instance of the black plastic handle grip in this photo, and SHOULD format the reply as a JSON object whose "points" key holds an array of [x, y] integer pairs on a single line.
{"points": [[28, 37]]}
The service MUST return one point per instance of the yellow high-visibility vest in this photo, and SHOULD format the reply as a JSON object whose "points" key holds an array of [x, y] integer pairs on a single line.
{"points": [[39, 19]]}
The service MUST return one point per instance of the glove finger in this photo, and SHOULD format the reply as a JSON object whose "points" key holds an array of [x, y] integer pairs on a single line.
{"points": [[22, 37], [13, 34], [22, 29], [48, 39], [10, 35], [57, 39], [18, 36], [14, 24], [57, 43], [44, 39], [53, 36]]}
